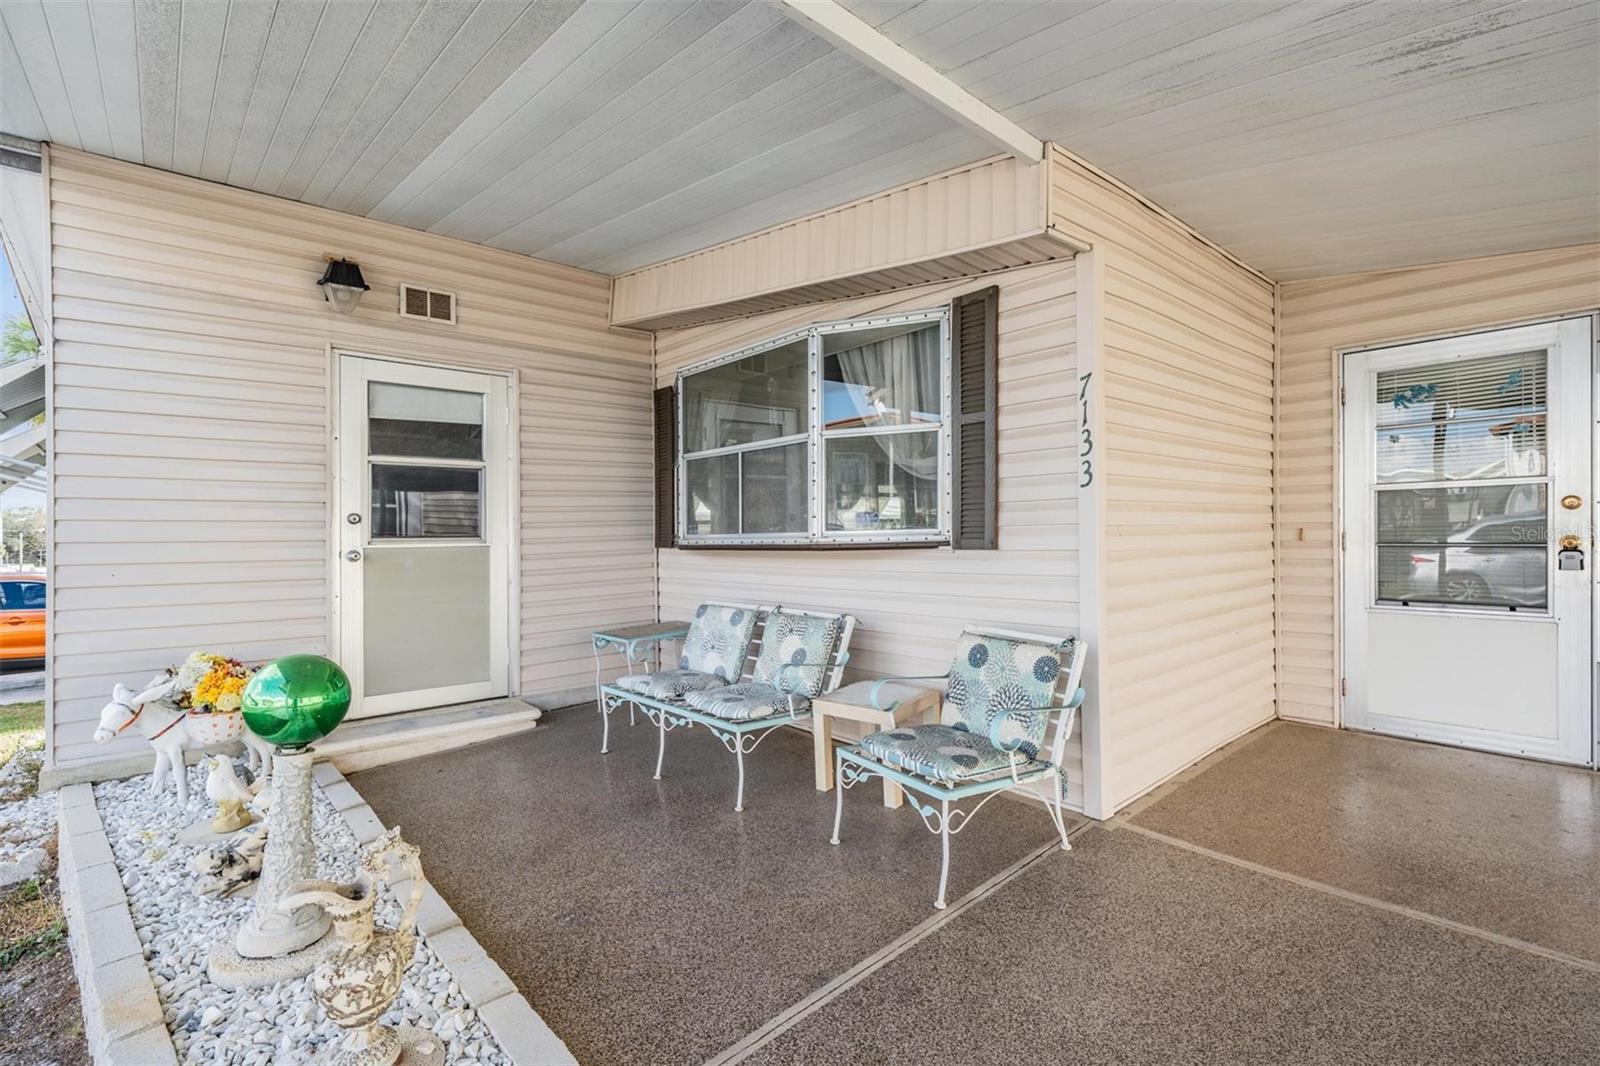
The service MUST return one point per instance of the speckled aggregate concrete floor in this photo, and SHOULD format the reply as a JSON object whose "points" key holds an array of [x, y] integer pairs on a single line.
{"points": [[1130, 951], [1502, 844], [645, 920], [649, 923]]}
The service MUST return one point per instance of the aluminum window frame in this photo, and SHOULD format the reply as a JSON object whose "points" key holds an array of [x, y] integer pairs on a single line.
{"points": [[816, 533]]}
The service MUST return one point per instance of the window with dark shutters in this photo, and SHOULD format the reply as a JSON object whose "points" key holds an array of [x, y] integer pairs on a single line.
{"points": [[666, 436], [974, 331]]}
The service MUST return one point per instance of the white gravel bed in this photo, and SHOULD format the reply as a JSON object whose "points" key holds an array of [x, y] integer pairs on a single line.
{"points": [[253, 1027], [25, 824]]}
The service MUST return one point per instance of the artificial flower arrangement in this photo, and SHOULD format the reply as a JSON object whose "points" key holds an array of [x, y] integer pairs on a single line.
{"points": [[209, 684], [210, 689]]}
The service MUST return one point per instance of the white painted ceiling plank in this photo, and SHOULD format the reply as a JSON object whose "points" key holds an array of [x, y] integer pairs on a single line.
{"points": [[642, 43], [1415, 156], [1068, 60], [1427, 107], [19, 113], [384, 30], [861, 134], [773, 116], [504, 116], [25, 21], [156, 26], [654, 110], [441, 23], [980, 30], [1371, 72], [949, 147], [833, 23], [72, 39], [116, 50], [1482, 189], [532, 29], [478, 41], [201, 33], [243, 49], [1458, 237], [664, 48], [262, 164], [282, 63]]}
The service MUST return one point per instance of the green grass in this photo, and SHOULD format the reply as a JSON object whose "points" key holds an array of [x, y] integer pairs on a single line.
{"points": [[21, 726]]}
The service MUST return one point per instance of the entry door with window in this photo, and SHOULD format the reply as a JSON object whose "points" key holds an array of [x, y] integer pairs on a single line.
{"points": [[1469, 562], [424, 535]]}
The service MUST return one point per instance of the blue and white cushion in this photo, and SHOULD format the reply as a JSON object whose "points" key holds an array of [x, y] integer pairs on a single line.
{"points": [[718, 641], [1002, 689], [938, 752], [668, 684], [747, 701], [796, 649]]}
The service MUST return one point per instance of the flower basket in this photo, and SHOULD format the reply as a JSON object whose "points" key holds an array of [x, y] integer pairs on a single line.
{"points": [[208, 689], [217, 727]]}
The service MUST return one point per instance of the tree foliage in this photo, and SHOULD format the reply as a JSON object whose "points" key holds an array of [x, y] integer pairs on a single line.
{"points": [[18, 341], [22, 536]]}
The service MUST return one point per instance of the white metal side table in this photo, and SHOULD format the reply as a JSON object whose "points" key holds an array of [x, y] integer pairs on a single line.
{"points": [[636, 644]]}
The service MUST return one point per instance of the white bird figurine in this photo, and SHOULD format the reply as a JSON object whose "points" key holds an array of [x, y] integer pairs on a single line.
{"points": [[225, 789]]}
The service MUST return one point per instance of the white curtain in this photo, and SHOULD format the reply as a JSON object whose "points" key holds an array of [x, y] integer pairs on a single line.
{"points": [[900, 377]]}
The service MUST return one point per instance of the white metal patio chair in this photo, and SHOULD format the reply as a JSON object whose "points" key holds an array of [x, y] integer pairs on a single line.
{"points": [[1007, 690], [712, 656], [798, 656]]}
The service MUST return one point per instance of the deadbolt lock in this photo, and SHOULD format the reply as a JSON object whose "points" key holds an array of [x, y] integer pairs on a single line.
{"points": [[1572, 503]]}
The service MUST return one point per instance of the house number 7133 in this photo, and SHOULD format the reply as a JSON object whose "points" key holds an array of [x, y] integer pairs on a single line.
{"points": [[1086, 450]]}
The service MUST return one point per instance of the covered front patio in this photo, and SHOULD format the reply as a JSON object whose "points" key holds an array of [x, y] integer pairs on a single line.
{"points": [[1302, 896]]}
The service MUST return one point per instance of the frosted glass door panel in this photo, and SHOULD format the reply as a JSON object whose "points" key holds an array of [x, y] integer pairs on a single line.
{"points": [[427, 617]]}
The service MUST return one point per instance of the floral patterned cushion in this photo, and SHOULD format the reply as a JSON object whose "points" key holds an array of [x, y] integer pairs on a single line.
{"points": [[718, 640], [796, 649], [1001, 689], [748, 700], [938, 752], [668, 684]]}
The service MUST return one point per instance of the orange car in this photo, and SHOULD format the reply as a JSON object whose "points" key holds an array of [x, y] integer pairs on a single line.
{"points": [[22, 599]]}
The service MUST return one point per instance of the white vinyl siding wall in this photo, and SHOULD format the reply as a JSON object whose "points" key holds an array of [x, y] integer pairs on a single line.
{"points": [[1186, 563], [1316, 320], [913, 602], [190, 436]]}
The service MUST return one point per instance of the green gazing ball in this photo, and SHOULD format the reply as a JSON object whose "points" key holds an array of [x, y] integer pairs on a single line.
{"points": [[296, 700]]}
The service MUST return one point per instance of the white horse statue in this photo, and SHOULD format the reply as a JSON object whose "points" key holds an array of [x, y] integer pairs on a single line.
{"points": [[164, 726]]}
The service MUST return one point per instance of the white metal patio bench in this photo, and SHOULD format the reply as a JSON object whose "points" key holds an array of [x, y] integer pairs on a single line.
{"points": [[1006, 689], [736, 684]]}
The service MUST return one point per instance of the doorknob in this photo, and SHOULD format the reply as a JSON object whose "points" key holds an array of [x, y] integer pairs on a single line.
{"points": [[353, 555]]}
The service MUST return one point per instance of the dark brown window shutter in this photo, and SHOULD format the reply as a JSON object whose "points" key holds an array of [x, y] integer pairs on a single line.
{"points": [[666, 404], [974, 379]]}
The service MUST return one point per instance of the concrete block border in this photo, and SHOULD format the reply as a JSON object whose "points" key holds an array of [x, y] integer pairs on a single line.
{"points": [[123, 1022], [122, 1017], [516, 1027]]}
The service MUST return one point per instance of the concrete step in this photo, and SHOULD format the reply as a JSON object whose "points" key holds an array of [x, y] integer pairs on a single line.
{"points": [[368, 742]]}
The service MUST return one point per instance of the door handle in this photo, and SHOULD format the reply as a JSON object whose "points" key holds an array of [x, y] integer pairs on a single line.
{"points": [[13, 621], [353, 555]]}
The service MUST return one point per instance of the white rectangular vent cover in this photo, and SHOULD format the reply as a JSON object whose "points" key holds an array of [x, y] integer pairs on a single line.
{"points": [[430, 305]]}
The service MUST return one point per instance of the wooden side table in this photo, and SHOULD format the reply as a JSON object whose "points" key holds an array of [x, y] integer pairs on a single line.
{"points": [[905, 703]]}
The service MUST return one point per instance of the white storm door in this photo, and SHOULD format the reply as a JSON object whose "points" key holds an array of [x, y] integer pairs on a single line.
{"points": [[1467, 463], [424, 535]]}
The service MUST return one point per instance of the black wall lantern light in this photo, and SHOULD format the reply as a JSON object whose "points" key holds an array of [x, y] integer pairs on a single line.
{"points": [[342, 285]]}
